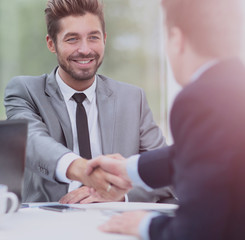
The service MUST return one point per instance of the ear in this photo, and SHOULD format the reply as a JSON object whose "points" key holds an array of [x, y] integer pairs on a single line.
{"points": [[177, 40], [50, 44], [105, 36]]}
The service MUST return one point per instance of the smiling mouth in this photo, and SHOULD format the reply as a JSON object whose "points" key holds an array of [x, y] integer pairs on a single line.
{"points": [[84, 61]]}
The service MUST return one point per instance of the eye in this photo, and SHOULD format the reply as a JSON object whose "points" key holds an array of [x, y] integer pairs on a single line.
{"points": [[94, 38], [73, 39]]}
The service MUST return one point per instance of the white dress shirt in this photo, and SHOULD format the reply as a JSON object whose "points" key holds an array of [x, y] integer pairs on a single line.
{"points": [[93, 124]]}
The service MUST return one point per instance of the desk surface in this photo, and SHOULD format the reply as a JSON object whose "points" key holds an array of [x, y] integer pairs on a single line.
{"points": [[35, 223]]}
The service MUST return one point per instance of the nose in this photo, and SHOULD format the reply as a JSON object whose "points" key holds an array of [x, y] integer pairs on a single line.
{"points": [[84, 47]]}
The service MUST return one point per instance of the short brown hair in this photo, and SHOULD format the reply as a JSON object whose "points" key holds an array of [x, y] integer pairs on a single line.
{"points": [[213, 27], [57, 9]]}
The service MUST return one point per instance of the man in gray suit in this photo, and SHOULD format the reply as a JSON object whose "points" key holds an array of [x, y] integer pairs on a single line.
{"points": [[119, 119]]}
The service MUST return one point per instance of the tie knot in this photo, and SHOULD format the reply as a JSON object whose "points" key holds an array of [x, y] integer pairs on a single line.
{"points": [[79, 97]]}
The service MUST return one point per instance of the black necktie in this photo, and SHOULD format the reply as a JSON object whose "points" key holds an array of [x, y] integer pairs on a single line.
{"points": [[82, 127]]}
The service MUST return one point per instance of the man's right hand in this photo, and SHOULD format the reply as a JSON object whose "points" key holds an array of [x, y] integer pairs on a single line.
{"points": [[113, 164], [99, 179]]}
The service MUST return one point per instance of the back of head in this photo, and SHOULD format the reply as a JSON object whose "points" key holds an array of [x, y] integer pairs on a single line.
{"points": [[57, 9], [214, 28]]}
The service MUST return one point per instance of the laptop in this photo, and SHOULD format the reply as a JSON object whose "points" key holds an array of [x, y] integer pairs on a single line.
{"points": [[13, 135]]}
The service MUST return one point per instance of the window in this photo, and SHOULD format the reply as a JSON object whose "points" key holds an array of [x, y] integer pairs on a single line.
{"points": [[134, 48]]}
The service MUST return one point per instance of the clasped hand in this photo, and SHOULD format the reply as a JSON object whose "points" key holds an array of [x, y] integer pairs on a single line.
{"points": [[105, 175]]}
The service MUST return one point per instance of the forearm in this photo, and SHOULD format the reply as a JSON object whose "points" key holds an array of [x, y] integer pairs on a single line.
{"points": [[42, 151], [42, 156], [133, 174], [155, 168]]}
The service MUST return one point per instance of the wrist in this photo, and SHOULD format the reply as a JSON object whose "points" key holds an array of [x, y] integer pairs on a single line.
{"points": [[76, 170], [125, 172]]}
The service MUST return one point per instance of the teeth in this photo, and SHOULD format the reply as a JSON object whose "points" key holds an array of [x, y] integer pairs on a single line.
{"points": [[84, 62]]}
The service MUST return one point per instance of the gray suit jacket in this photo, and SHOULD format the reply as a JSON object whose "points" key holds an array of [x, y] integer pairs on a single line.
{"points": [[126, 122]]}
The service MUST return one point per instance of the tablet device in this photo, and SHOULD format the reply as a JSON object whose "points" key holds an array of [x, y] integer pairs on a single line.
{"points": [[60, 208]]}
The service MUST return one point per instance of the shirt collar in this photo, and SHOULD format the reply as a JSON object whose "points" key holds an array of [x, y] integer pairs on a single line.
{"points": [[68, 92], [203, 69]]}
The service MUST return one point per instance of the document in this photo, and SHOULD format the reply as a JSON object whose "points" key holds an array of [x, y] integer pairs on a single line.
{"points": [[130, 206]]}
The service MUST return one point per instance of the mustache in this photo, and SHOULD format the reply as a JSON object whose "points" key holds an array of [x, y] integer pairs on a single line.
{"points": [[80, 55]]}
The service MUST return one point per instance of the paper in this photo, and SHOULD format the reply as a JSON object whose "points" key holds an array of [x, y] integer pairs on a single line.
{"points": [[117, 206], [129, 206]]}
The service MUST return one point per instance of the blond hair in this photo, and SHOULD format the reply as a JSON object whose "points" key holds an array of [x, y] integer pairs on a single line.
{"points": [[213, 27]]}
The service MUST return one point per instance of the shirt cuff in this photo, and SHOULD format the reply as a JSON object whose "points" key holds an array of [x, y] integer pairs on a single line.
{"points": [[63, 165], [144, 226], [126, 198], [132, 170]]}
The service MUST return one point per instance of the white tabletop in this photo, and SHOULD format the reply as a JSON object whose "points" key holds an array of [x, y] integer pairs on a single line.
{"points": [[34, 223]]}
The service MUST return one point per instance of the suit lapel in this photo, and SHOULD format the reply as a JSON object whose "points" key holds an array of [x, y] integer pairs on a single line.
{"points": [[58, 103], [106, 104]]}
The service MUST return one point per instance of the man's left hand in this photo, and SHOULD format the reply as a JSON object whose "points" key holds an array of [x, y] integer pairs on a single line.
{"points": [[126, 223], [85, 195]]}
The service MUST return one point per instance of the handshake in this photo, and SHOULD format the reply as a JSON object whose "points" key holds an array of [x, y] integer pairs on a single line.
{"points": [[104, 179]]}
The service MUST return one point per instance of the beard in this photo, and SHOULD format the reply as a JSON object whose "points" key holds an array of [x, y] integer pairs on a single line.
{"points": [[82, 74]]}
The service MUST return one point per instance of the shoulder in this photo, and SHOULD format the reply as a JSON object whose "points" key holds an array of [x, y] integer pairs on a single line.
{"points": [[25, 85], [226, 77], [117, 85], [120, 88], [191, 106], [191, 93], [28, 81], [215, 87]]}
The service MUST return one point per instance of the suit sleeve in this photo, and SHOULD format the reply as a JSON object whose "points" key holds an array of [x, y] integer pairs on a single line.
{"points": [[155, 167], [201, 173], [20, 103]]}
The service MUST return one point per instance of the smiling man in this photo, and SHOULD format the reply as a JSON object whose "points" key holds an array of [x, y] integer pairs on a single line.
{"points": [[75, 114]]}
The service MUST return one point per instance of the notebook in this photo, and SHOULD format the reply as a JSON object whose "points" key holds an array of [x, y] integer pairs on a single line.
{"points": [[13, 135]]}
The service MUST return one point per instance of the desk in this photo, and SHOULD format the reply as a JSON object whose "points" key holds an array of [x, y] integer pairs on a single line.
{"points": [[34, 223]]}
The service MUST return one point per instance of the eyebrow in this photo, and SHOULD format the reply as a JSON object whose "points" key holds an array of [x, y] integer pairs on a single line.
{"points": [[95, 32], [69, 34]]}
